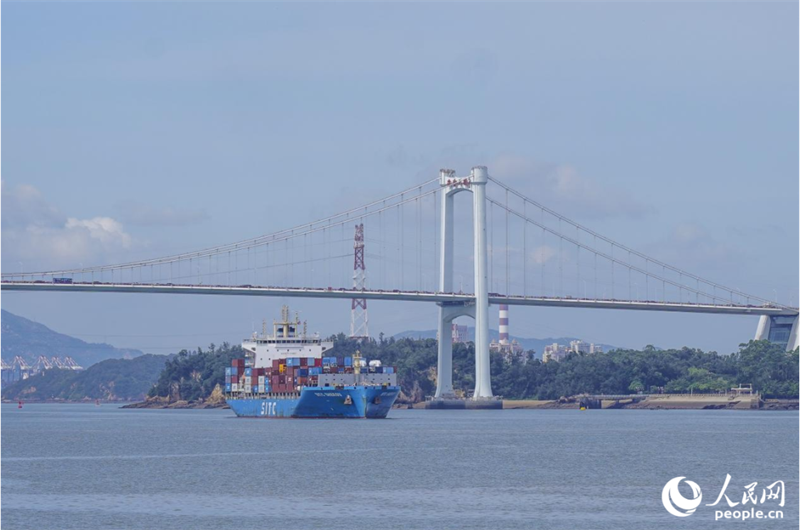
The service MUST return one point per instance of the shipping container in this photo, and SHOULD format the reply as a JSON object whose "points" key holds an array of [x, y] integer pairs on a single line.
{"points": [[248, 371], [388, 370], [348, 361], [228, 371], [234, 387], [227, 387]]}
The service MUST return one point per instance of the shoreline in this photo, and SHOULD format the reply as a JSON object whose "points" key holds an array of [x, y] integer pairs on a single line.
{"points": [[659, 402]]}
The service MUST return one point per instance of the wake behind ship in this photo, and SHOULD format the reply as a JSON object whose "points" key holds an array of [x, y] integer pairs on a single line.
{"points": [[288, 375]]}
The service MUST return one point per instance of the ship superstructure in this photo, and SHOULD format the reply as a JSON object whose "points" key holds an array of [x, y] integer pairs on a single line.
{"points": [[289, 339]]}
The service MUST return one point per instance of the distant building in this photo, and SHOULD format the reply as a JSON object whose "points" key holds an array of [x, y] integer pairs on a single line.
{"points": [[556, 352], [578, 346], [460, 333]]}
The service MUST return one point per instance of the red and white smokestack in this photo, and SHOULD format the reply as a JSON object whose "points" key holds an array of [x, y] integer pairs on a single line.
{"points": [[503, 324]]}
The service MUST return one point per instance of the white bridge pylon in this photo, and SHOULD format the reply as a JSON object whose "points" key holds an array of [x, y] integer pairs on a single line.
{"points": [[479, 308]]}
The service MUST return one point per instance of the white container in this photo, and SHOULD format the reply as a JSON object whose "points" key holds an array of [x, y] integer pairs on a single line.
{"points": [[234, 387]]}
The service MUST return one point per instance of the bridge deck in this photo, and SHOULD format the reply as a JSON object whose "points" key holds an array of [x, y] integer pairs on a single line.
{"points": [[415, 296]]}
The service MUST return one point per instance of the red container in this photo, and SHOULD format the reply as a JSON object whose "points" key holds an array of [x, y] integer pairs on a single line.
{"points": [[303, 362]]}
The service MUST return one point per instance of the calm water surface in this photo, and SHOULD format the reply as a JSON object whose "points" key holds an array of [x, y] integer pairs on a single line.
{"points": [[88, 467]]}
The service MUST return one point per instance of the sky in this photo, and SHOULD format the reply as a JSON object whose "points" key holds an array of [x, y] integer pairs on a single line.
{"points": [[136, 130]]}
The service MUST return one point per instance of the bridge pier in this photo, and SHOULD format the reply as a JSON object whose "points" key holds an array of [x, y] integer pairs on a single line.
{"points": [[476, 184], [779, 329], [444, 380]]}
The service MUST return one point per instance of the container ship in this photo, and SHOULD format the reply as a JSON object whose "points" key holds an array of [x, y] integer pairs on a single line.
{"points": [[288, 375]]}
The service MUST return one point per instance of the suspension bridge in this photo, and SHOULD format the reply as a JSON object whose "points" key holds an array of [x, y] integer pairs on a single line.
{"points": [[502, 247]]}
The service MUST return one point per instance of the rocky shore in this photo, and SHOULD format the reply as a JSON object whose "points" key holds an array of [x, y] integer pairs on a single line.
{"points": [[215, 401], [662, 402]]}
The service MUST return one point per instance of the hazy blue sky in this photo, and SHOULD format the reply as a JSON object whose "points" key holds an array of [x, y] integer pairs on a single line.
{"points": [[137, 130]]}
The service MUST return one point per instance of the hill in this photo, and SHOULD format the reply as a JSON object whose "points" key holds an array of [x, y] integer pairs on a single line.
{"points": [[527, 343], [29, 340], [112, 379]]}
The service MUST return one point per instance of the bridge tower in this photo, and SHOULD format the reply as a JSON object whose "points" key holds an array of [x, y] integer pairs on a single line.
{"points": [[779, 329], [479, 308], [359, 320]]}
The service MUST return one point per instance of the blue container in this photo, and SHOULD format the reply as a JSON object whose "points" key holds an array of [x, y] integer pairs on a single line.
{"points": [[255, 389], [302, 372], [227, 387], [348, 361], [389, 370], [228, 371], [234, 370], [248, 371], [315, 370]]}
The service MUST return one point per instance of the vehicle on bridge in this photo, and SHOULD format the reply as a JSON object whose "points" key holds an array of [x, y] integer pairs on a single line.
{"points": [[62, 280]]}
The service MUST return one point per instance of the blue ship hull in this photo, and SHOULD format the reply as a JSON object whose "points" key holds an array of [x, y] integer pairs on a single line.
{"points": [[319, 402]]}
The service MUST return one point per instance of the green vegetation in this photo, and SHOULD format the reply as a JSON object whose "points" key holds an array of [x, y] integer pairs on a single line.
{"points": [[190, 376], [771, 370], [113, 379], [193, 375]]}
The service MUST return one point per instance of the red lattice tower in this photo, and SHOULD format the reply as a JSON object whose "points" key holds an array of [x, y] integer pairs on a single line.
{"points": [[359, 319]]}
